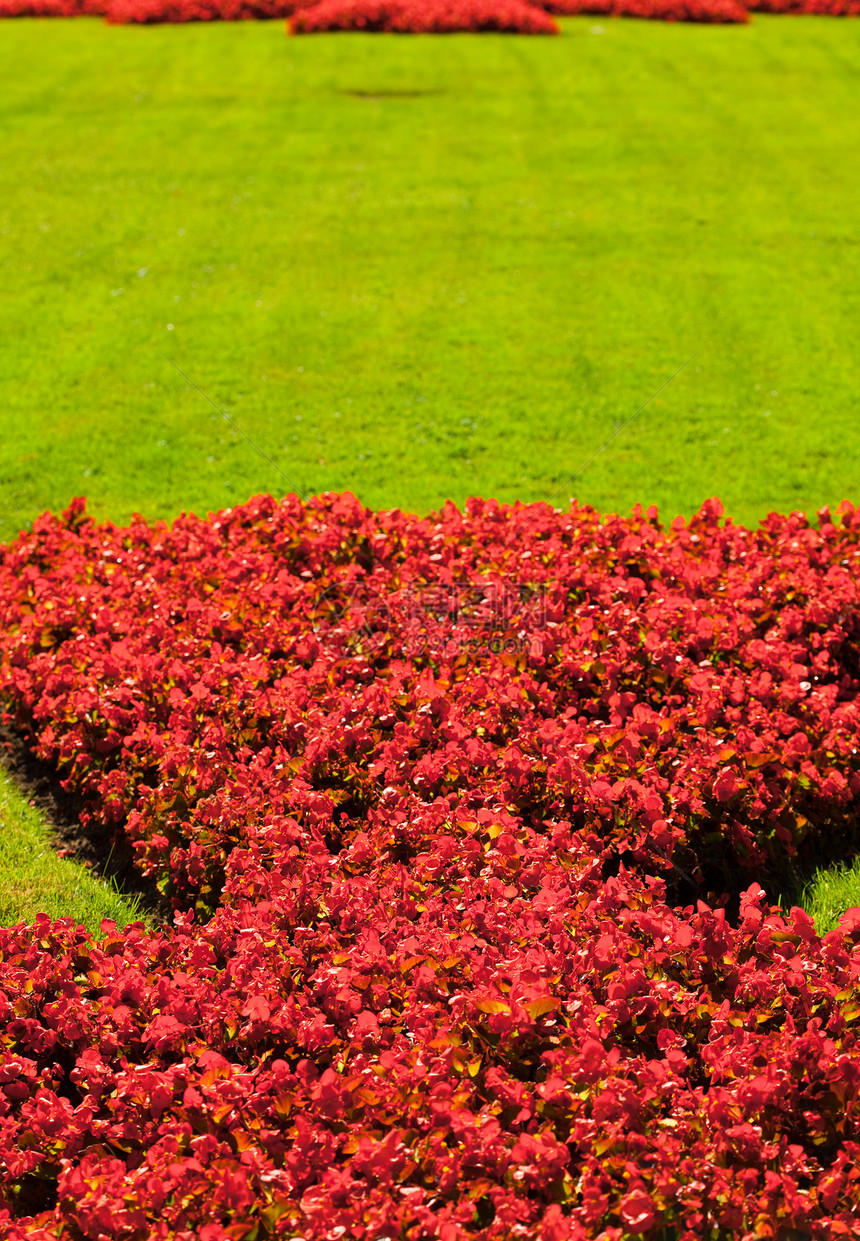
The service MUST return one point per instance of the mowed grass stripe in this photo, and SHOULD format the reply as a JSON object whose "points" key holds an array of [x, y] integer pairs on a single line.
{"points": [[424, 268]]}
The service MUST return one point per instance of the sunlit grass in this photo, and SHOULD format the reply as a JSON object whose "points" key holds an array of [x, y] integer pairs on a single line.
{"points": [[830, 893], [35, 880], [425, 268]]}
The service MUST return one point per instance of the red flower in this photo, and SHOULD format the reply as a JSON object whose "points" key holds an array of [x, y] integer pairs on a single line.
{"points": [[423, 16]]}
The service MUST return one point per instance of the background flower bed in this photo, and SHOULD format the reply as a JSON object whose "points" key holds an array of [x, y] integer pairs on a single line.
{"points": [[397, 16], [708, 11], [144, 12], [454, 800], [423, 16]]}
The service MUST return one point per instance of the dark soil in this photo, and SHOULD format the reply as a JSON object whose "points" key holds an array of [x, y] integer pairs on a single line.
{"points": [[108, 856]]}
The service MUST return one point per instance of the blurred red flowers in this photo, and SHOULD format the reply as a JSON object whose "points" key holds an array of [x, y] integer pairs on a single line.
{"points": [[714, 11], [423, 16], [152, 11], [419, 16]]}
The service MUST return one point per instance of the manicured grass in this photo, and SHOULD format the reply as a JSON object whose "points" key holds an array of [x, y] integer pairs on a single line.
{"points": [[830, 893], [35, 880], [428, 268]]}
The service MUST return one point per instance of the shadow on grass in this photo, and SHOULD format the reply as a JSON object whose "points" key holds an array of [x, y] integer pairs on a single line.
{"points": [[106, 857]]}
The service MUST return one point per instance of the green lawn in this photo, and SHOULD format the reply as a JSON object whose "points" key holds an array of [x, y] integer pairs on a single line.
{"points": [[35, 880], [439, 266], [830, 893], [423, 268]]}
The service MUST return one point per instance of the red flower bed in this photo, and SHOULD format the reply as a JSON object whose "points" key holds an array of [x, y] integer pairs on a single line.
{"points": [[419, 16], [147, 12], [401, 759], [715, 11], [52, 8], [686, 695], [429, 1057], [817, 8], [423, 16]]}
